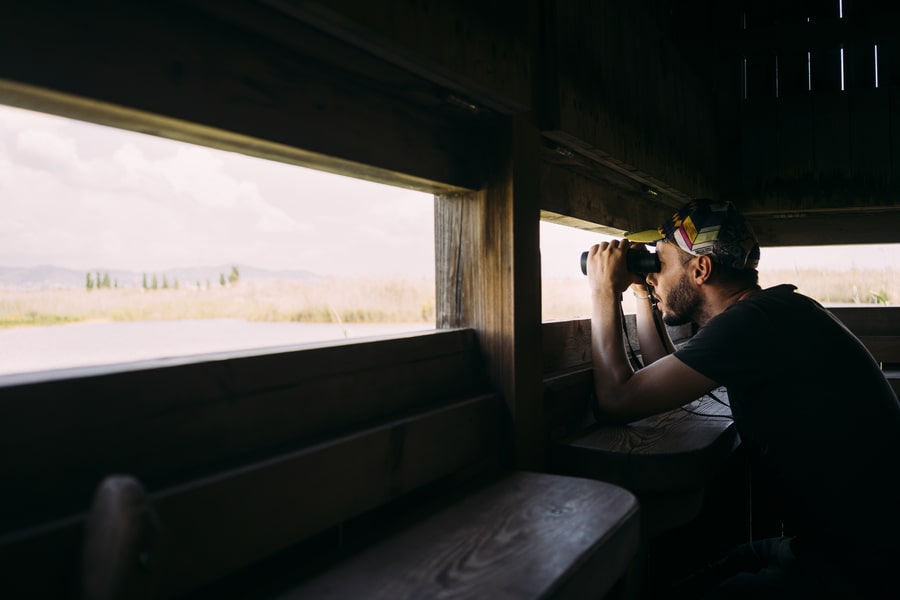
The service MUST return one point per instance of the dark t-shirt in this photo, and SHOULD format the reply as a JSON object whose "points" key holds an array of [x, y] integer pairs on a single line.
{"points": [[811, 399]]}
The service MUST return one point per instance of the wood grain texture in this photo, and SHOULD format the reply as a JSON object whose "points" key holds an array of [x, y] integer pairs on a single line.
{"points": [[624, 104], [488, 278], [676, 450], [164, 424], [215, 525], [260, 84], [527, 536], [567, 343]]}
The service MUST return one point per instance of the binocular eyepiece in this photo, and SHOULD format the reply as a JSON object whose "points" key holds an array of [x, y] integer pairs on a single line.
{"points": [[636, 261]]}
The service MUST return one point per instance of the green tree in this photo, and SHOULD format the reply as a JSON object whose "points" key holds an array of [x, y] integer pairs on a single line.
{"points": [[165, 284], [222, 279], [106, 283], [145, 281], [89, 284], [155, 283], [234, 276]]}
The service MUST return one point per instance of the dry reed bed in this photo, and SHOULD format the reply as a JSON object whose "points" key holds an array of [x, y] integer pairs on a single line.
{"points": [[397, 300]]}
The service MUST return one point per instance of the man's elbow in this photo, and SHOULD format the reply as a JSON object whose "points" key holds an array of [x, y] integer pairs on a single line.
{"points": [[610, 410]]}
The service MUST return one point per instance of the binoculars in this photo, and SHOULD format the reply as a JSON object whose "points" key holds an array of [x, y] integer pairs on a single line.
{"points": [[636, 261]]}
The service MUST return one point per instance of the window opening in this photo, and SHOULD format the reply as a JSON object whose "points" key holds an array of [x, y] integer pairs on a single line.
{"points": [[117, 246], [564, 288], [839, 275]]}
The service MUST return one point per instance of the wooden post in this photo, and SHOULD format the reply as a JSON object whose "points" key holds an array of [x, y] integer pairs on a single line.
{"points": [[488, 278]]}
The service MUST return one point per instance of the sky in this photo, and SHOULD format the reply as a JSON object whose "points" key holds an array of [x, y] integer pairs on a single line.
{"points": [[85, 196]]}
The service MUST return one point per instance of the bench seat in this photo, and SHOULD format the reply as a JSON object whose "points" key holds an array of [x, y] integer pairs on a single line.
{"points": [[527, 535]]}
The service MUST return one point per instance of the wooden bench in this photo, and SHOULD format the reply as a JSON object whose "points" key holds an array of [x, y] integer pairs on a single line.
{"points": [[293, 473]]}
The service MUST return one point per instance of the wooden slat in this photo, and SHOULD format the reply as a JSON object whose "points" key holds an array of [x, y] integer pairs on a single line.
{"points": [[810, 229], [300, 95], [488, 268], [567, 403], [870, 144], [216, 525], [527, 536], [442, 41], [618, 102], [163, 424], [885, 348], [869, 320], [567, 344], [794, 134], [758, 143], [578, 191], [676, 450], [894, 95]]}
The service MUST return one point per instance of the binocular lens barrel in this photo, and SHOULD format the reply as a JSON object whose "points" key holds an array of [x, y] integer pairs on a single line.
{"points": [[635, 262]]}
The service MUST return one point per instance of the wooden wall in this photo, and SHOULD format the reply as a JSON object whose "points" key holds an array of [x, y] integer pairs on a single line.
{"points": [[820, 99]]}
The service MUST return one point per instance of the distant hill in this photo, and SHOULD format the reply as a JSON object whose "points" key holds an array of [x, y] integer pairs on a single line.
{"points": [[52, 277]]}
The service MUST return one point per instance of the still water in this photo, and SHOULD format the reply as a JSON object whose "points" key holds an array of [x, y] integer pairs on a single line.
{"points": [[29, 349]]}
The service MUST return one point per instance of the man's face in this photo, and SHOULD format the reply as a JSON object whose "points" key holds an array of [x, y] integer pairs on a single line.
{"points": [[678, 299]]}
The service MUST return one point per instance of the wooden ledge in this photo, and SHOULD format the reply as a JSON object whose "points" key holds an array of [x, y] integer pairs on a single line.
{"points": [[528, 535], [677, 450]]}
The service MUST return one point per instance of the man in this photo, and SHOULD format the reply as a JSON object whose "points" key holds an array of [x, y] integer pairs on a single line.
{"points": [[805, 395]]}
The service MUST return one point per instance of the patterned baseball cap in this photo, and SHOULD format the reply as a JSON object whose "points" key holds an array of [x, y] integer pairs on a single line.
{"points": [[706, 227]]}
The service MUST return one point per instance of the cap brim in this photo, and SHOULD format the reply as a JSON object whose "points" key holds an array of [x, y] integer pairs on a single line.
{"points": [[649, 236]]}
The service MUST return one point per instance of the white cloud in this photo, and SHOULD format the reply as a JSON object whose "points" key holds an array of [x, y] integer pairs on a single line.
{"points": [[86, 196]]}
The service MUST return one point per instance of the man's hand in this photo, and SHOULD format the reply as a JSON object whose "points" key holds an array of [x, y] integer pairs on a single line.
{"points": [[607, 270]]}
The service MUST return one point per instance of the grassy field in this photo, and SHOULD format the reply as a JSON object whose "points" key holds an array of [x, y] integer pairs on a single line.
{"points": [[364, 301], [360, 301]]}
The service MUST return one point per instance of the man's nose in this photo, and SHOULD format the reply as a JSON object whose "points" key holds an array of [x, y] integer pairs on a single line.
{"points": [[651, 279]]}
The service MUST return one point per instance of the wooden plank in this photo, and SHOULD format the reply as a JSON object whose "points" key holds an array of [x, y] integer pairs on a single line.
{"points": [[626, 107], [567, 344], [831, 143], [577, 188], [894, 99], [676, 450], [759, 147], [803, 228], [443, 41], [795, 168], [280, 501], [300, 96], [168, 423], [870, 145], [488, 272], [567, 403], [885, 348], [498, 543], [869, 320]]}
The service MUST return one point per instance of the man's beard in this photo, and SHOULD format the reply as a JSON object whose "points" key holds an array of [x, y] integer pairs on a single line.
{"points": [[682, 304]]}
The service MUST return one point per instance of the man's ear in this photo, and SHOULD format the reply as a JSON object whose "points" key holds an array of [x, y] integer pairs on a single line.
{"points": [[701, 269]]}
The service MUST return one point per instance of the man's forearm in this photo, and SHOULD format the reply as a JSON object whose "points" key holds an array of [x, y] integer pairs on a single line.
{"points": [[652, 334], [611, 367]]}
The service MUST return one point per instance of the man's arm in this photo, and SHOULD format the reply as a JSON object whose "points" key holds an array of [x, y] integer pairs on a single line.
{"points": [[622, 394], [652, 334]]}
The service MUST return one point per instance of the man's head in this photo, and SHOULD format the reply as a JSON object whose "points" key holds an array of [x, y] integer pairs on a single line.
{"points": [[708, 228], [705, 243]]}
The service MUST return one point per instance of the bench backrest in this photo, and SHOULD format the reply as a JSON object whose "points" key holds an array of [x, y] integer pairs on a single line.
{"points": [[278, 448]]}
